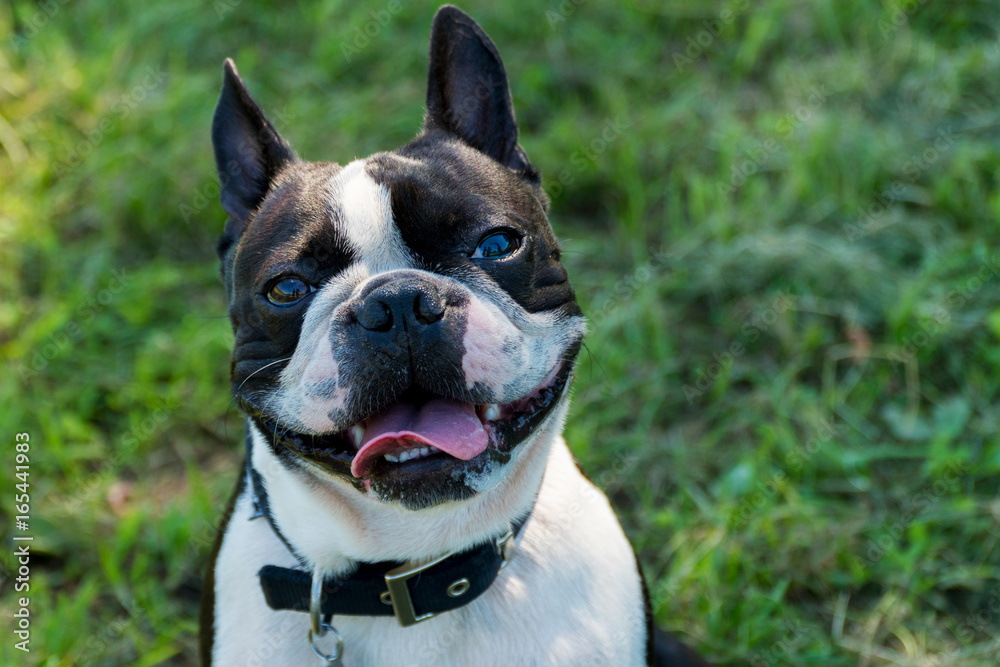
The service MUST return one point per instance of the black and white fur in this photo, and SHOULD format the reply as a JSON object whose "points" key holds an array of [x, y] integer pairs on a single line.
{"points": [[405, 225]]}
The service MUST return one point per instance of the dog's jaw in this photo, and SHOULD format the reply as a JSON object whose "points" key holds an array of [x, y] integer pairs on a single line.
{"points": [[331, 525], [373, 455]]}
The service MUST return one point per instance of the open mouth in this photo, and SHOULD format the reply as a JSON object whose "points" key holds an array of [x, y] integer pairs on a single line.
{"points": [[423, 434]]}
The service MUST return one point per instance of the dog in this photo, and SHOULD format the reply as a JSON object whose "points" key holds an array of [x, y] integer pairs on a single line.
{"points": [[405, 338]]}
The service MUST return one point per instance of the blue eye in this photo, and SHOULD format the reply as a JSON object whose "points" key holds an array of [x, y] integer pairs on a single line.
{"points": [[497, 245], [288, 290]]}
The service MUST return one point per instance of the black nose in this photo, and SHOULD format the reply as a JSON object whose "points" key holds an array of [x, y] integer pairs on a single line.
{"points": [[410, 303]]}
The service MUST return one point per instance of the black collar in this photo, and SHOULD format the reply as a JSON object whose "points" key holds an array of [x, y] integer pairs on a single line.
{"points": [[412, 592]]}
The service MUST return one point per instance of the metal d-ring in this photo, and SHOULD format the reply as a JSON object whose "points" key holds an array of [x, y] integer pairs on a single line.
{"points": [[338, 651], [317, 627]]}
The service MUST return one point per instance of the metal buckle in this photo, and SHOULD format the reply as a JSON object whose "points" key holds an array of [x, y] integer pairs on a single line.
{"points": [[399, 590]]}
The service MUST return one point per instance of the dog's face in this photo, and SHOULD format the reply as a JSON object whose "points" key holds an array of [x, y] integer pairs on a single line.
{"points": [[402, 322]]}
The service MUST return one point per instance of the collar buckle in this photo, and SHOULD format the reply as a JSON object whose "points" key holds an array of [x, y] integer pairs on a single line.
{"points": [[399, 590]]}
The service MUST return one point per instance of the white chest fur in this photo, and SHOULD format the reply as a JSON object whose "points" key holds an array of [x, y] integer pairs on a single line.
{"points": [[570, 596]]}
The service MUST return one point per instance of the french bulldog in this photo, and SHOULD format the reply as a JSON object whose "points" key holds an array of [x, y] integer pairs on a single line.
{"points": [[405, 338]]}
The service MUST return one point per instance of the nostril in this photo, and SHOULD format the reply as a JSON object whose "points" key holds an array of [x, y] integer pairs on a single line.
{"points": [[427, 309], [375, 315]]}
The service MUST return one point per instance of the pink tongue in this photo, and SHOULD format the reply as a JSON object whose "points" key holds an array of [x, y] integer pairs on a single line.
{"points": [[451, 426]]}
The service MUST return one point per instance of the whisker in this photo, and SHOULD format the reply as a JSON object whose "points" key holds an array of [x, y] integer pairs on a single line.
{"points": [[232, 402], [278, 361], [593, 357]]}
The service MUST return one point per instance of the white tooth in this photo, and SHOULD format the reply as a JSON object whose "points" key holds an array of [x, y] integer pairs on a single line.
{"points": [[411, 454], [357, 434], [491, 412]]}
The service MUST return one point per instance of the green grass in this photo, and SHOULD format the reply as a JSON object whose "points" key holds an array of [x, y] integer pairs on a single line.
{"points": [[788, 249]]}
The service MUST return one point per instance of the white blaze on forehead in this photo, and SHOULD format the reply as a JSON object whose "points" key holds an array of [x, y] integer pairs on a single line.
{"points": [[363, 214]]}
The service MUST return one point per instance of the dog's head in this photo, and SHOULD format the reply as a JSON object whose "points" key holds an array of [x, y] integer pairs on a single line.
{"points": [[402, 322]]}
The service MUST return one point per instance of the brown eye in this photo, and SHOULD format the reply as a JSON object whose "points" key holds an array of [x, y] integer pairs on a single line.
{"points": [[287, 291]]}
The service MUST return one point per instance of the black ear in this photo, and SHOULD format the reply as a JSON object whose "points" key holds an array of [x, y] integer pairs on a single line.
{"points": [[467, 91], [249, 153]]}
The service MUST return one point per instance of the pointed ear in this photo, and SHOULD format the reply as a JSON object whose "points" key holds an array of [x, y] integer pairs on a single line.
{"points": [[467, 91], [249, 153]]}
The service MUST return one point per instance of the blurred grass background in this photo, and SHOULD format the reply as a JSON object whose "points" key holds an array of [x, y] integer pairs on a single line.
{"points": [[781, 217]]}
